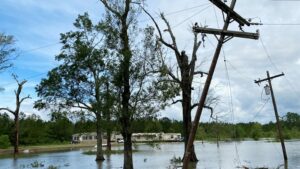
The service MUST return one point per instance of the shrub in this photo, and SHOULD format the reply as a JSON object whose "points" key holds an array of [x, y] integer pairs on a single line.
{"points": [[4, 141]]}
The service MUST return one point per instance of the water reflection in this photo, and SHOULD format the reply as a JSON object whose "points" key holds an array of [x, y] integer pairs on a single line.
{"points": [[251, 154]]}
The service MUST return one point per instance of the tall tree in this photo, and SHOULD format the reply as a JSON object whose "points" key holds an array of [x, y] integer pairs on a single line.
{"points": [[187, 66], [79, 82], [16, 112], [132, 73], [6, 49]]}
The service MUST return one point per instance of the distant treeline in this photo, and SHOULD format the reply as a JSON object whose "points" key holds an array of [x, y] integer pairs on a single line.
{"points": [[35, 131]]}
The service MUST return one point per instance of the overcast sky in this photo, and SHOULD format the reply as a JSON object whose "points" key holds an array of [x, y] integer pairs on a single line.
{"points": [[36, 26]]}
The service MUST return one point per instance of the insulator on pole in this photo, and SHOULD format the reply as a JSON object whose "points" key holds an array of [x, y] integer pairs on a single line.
{"points": [[267, 89]]}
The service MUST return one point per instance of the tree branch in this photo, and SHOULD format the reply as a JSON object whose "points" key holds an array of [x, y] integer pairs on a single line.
{"points": [[104, 2], [176, 101], [160, 34], [205, 106], [174, 46], [7, 109], [194, 57], [201, 73], [173, 77], [27, 97]]}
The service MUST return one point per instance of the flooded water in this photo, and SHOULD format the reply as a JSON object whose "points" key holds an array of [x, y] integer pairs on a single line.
{"points": [[229, 155]]}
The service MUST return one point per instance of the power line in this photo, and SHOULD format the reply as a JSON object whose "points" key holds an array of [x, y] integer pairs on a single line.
{"points": [[261, 108], [29, 77], [176, 12], [244, 76], [293, 89], [281, 24], [231, 107], [267, 53], [38, 48], [191, 16]]}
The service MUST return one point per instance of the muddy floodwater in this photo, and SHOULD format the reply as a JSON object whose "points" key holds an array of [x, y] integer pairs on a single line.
{"points": [[229, 155]]}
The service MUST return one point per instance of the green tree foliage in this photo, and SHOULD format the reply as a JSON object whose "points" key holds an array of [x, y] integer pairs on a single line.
{"points": [[34, 131], [292, 120], [256, 131], [133, 75], [60, 127], [6, 50], [4, 141], [84, 125], [80, 81], [6, 124]]}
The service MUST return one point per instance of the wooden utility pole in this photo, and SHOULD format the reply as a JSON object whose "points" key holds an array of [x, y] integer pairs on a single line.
{"points": [[279, 129], [225, 36]]}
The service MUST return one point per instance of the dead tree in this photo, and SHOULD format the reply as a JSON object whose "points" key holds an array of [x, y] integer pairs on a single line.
{"points": [[16, 112], [187, 68]]}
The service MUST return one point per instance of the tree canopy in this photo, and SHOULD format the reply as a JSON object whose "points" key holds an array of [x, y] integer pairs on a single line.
{"points": [[6, 50]]}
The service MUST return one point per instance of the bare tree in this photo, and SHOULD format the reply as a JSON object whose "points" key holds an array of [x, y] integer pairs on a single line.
{"points": [[16, 112], [184, 79]]}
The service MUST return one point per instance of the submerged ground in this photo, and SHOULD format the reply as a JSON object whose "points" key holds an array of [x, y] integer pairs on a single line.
{"points": [[159, 156]]}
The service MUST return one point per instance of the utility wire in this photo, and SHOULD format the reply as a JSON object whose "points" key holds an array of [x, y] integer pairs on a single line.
{"points": [[261, 108], [281, 24], [176, 12], [27, 78], [231, 107], [268, 54], [188, 18], [56, 43], [292, 88], [38, 48]]}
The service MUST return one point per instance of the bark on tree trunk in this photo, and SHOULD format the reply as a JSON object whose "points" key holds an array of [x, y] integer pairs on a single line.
{"points": [[187, 123], [99, 156], [16, 134], [186, 110], [128, 163], [108, 140]]}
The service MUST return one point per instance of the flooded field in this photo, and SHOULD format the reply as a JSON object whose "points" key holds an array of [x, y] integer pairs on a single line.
{"points": [[229, 155]]}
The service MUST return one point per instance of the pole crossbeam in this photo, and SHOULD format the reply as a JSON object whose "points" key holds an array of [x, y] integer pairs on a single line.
{"points": [[221, 40], [235, 16], [226, 32], [278, 125], [265, 79]]}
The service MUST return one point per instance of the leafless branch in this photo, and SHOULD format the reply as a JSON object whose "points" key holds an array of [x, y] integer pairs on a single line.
{"points": [[201, 73], [173, 47], [176, 101], [27, 97], [7, 109], [194, 57]]}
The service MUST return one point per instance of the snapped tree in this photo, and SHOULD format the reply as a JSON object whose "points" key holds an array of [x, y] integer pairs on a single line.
{"points": [[174, 83], [16, 112]]}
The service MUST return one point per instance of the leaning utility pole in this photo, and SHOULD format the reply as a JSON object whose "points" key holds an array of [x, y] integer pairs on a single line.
{"points": [[225, 35], [279, 129]]}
